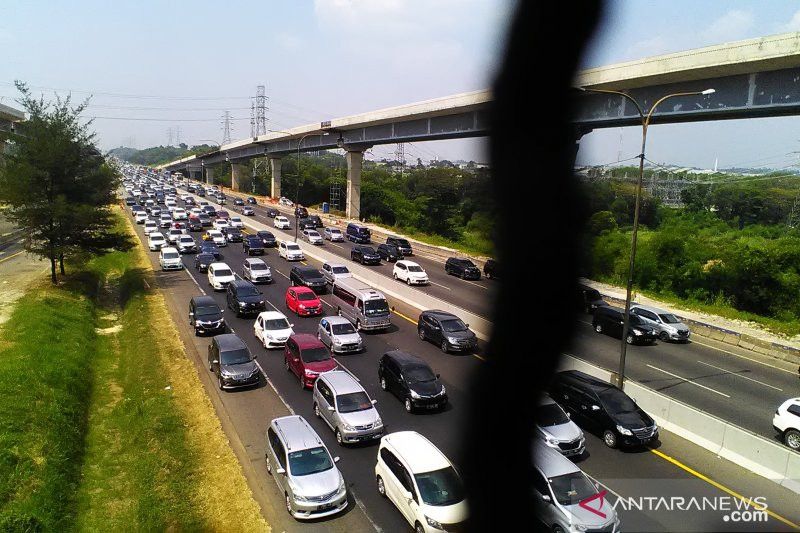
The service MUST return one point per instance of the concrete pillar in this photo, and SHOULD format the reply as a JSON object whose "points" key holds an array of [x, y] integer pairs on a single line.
{"points": [[275, 170], [237, 172], [209, 175], [354, 160]]}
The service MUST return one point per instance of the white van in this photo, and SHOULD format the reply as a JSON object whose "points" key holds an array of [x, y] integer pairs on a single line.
{"points": [[362, 305]]}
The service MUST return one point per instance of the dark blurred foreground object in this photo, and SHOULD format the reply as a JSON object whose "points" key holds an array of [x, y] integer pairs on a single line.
{"points": [[530, 118]]}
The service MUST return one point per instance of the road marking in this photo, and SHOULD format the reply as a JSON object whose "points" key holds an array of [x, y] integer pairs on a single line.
{"points": [[739, 375], [743, 357], [346, 369], [721, 487], [401, 315], [687, 380], [12, 256], [476, 284], [440, 285]]}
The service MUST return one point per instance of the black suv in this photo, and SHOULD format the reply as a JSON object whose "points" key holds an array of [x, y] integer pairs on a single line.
{"points": [[210, 248], [300, 212], [402, 244], [202, 260], [463, 268], [244, 298], [316, 220], [365, 255], [308, 277], [306, 223], [205, 315], [589, 299], [389, 252], [609, 320], [253, 245], [411, 379], [231, 361], [272, 212], [238, 201], [268, 239], [446, 330], [233, 234], [603, 409], [491, 269], [251, 200]]}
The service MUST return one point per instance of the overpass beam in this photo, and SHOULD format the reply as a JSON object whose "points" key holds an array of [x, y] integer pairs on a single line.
{"points": [[238, 171], [275, 171], [355, 160]]}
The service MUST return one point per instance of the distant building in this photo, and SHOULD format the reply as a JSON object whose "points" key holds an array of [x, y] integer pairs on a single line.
{"points": [[8, 118]]}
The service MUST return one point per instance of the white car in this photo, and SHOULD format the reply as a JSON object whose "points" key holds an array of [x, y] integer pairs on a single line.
{"points": [[285, 201], [236, 222], [217, 237], [281, 222], [787, 422], [196, 211], [170, 202], [140, 217], [174, 234], [150, 226], [220, 223], [179, 213], [272, 329], [155, 212], [333, 234], [186, 244], [219, 275], [170, 259], [155, 241], [333, 271], [165, 220], [439, 503], [410, 272], [290, 251], [312, 236]]}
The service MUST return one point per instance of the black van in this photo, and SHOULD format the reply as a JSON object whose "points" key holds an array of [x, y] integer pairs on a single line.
{"points": [[402, 244], [358, 233], [411, 379], [604, 409], [230, 360], [589, 299], [205, 315], [609, 320]]}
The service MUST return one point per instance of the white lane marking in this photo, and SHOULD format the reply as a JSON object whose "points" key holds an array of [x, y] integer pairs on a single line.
{"points": [[476, 284], [439, 285], [346, 369], [739, 375], [687, 380], [338, 245], [609, 489], [743, 357]]}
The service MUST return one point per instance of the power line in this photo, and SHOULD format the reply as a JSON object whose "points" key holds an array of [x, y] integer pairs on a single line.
{"points": [[122, 95], [163, 119]]}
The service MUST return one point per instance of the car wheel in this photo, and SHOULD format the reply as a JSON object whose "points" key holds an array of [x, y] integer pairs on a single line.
{"points": [[418, 528], [629, 339], [316, 410], [408, 281], [381, 486], [444, 347], [558, 529], [219, 382], [395, 276], [598, 328], [269, 465], [302, 384], [609, 438], [289, 505], [407, 405], [664, 336], [286, 364], [358, 325], [792, 439], [339, 437], [383, 383], [421, 333]]}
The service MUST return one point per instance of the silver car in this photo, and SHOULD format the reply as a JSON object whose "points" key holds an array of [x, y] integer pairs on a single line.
{"points": [[339, 334], [668, 327], [556, 429], [303, 469], [344, 405], [333, 271], [256, 271]]}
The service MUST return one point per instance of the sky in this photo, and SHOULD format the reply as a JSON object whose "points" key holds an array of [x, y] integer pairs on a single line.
{"points": [[153, 67]]}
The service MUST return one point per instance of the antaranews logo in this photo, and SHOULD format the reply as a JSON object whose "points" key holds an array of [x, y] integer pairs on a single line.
{"points": [[601, 496]]}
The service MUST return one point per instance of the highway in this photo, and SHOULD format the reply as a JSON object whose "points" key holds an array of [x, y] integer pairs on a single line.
{"points": [[246, 414]]}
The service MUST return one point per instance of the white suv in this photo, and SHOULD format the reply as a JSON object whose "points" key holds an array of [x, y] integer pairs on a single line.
{"points": [[290, 251], [219, 276], [410, 272], [281, 222], [170, 259], [787, 422]]}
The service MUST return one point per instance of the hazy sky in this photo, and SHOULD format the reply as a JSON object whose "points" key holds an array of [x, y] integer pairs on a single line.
{"points": [[181, 64]]}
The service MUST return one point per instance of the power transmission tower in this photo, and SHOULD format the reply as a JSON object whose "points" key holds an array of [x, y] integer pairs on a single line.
{"points": [[252, 119], [400, 157], [177, 135], [226, 128], [169, 136], [261, 111], [794, 215]]}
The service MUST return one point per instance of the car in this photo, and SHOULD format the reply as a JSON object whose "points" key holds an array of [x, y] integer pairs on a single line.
{"points": [[339, 335], [219, 276], [233, 234], [188, 201], [248, 211], [186, 244], [306, 357], [251, 200], [267, 238], [365, 255], [787, 423], [303, 301], [209, 210], [316, 220], [170, 259], [272, 329], [300, 212], [411, 380], [305, 223], [402, 244], [603, 408], [272, 212], [285, 201], [253, 245], [556, 429], [202, 260], [446, 330], [174, 234], [358, 233], [304, 470], [566, 499], [205, 220], [210, 248], [165, 221], [244, 298], [179, 213], [312, 236], [205, 315], [155, 241], [667, 326], [222, 199], [421, 483], [333, 234], [215, 236], [256, 271], [130, 200], [178, 225], [389, 252], [491, 269], [236, 222], [290, 251], [410, 272], [220, 223], [463, 268], [140, 216], [609, 320], [334, 271], [230, 360], [281, 222], [238, 201], [343, 404], [589, 299], [308, 276], [194, 223], [149, 227]]}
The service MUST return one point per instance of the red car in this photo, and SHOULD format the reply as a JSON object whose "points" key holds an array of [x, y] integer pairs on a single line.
{"points": [[223, 214], [303, 301], [307, 357]]}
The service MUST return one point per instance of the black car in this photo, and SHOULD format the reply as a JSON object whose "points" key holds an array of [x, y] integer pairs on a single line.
{"points": [[300, 211], [316, 220], [604, 409], [130, 200], [248, 211], [402, 244], [411, 379], [589, 299], [272, 212], [222, 199], [365, 255], [491, 269], [267, 238], [205, 315], [309, 277], [194, 224], [446, 330], [463, 268], [609, 320], [306, 223], [389, 252], [201, 192], [244, 298], [209, 210], [210, 248], [202, 260], [205, 220], [189, 201], [252, 200], [253, 245], [230, 360], [233, 234], [238, 201]]}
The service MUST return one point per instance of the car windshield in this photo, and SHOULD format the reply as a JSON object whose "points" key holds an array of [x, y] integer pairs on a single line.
{"points": [[247, 290], [235, 357], [314, 355], [306, 296], [187, 239], [258, 266], [313, 234], [453, 325], [616, 401], [156, 237], [415, 268], [277, 323], [334, 231], [376, 307], [418, 374], [223, 272], [440, 487], [311, 461], [549, 415], [669, 318], [345, 328], [171, 255], [340, 270], [209, 310], [292, 247], [265, 235], [355, 401], [635, 320], [571, 489]]}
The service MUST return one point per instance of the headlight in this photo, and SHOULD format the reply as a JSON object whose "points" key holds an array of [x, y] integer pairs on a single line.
{"points": [[341, 484], [347, 427], [337, 341], [225, 373], [378, 422], [415, 395], [637, 332], [310, 373], [433, 523], [443, 391], [624, 431], [261, 302], [299, 497], [580, 527], [452, 340], [550, 440], [302, 306]]}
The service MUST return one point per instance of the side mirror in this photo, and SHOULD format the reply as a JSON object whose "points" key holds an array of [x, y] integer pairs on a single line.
{"points": [[336, 459], [595, 407], [466, 325], [331, 409], [255, 356], [547, 498], [569, 415], [281, 471], [291, 325], [374, 402], [191, 313], [215, 362], [438, 376]]}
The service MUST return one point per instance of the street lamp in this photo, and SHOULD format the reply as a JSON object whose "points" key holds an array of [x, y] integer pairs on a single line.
{"points": [[645, 123], [297, 192]]}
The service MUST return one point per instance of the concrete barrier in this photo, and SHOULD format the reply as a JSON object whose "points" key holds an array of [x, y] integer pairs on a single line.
{"points": [[792, 479], [765, 458]]}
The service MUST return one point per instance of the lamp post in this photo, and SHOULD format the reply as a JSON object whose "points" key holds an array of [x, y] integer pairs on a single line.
{"points": [[645, 118]]}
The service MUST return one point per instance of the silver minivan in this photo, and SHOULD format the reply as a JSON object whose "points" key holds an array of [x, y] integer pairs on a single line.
{"points": [[668, 327], [362, 305], [303, 469], [339, 334], [556, 429], [344, 405]]}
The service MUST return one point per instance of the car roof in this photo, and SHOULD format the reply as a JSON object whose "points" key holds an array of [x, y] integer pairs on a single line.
{"points": [[219, 264], [296, 433], [241, 283], [408, 263], [301, 288], [335, 319], [590, 381], [655, 310], [341, 382], [306, 340], [254, 260], [271, 315], [334, 264], [404, 358], [204, 300], [309, 269], [550, 461], [419, 453], [229, 341], [169, 249], [439, 314]]}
